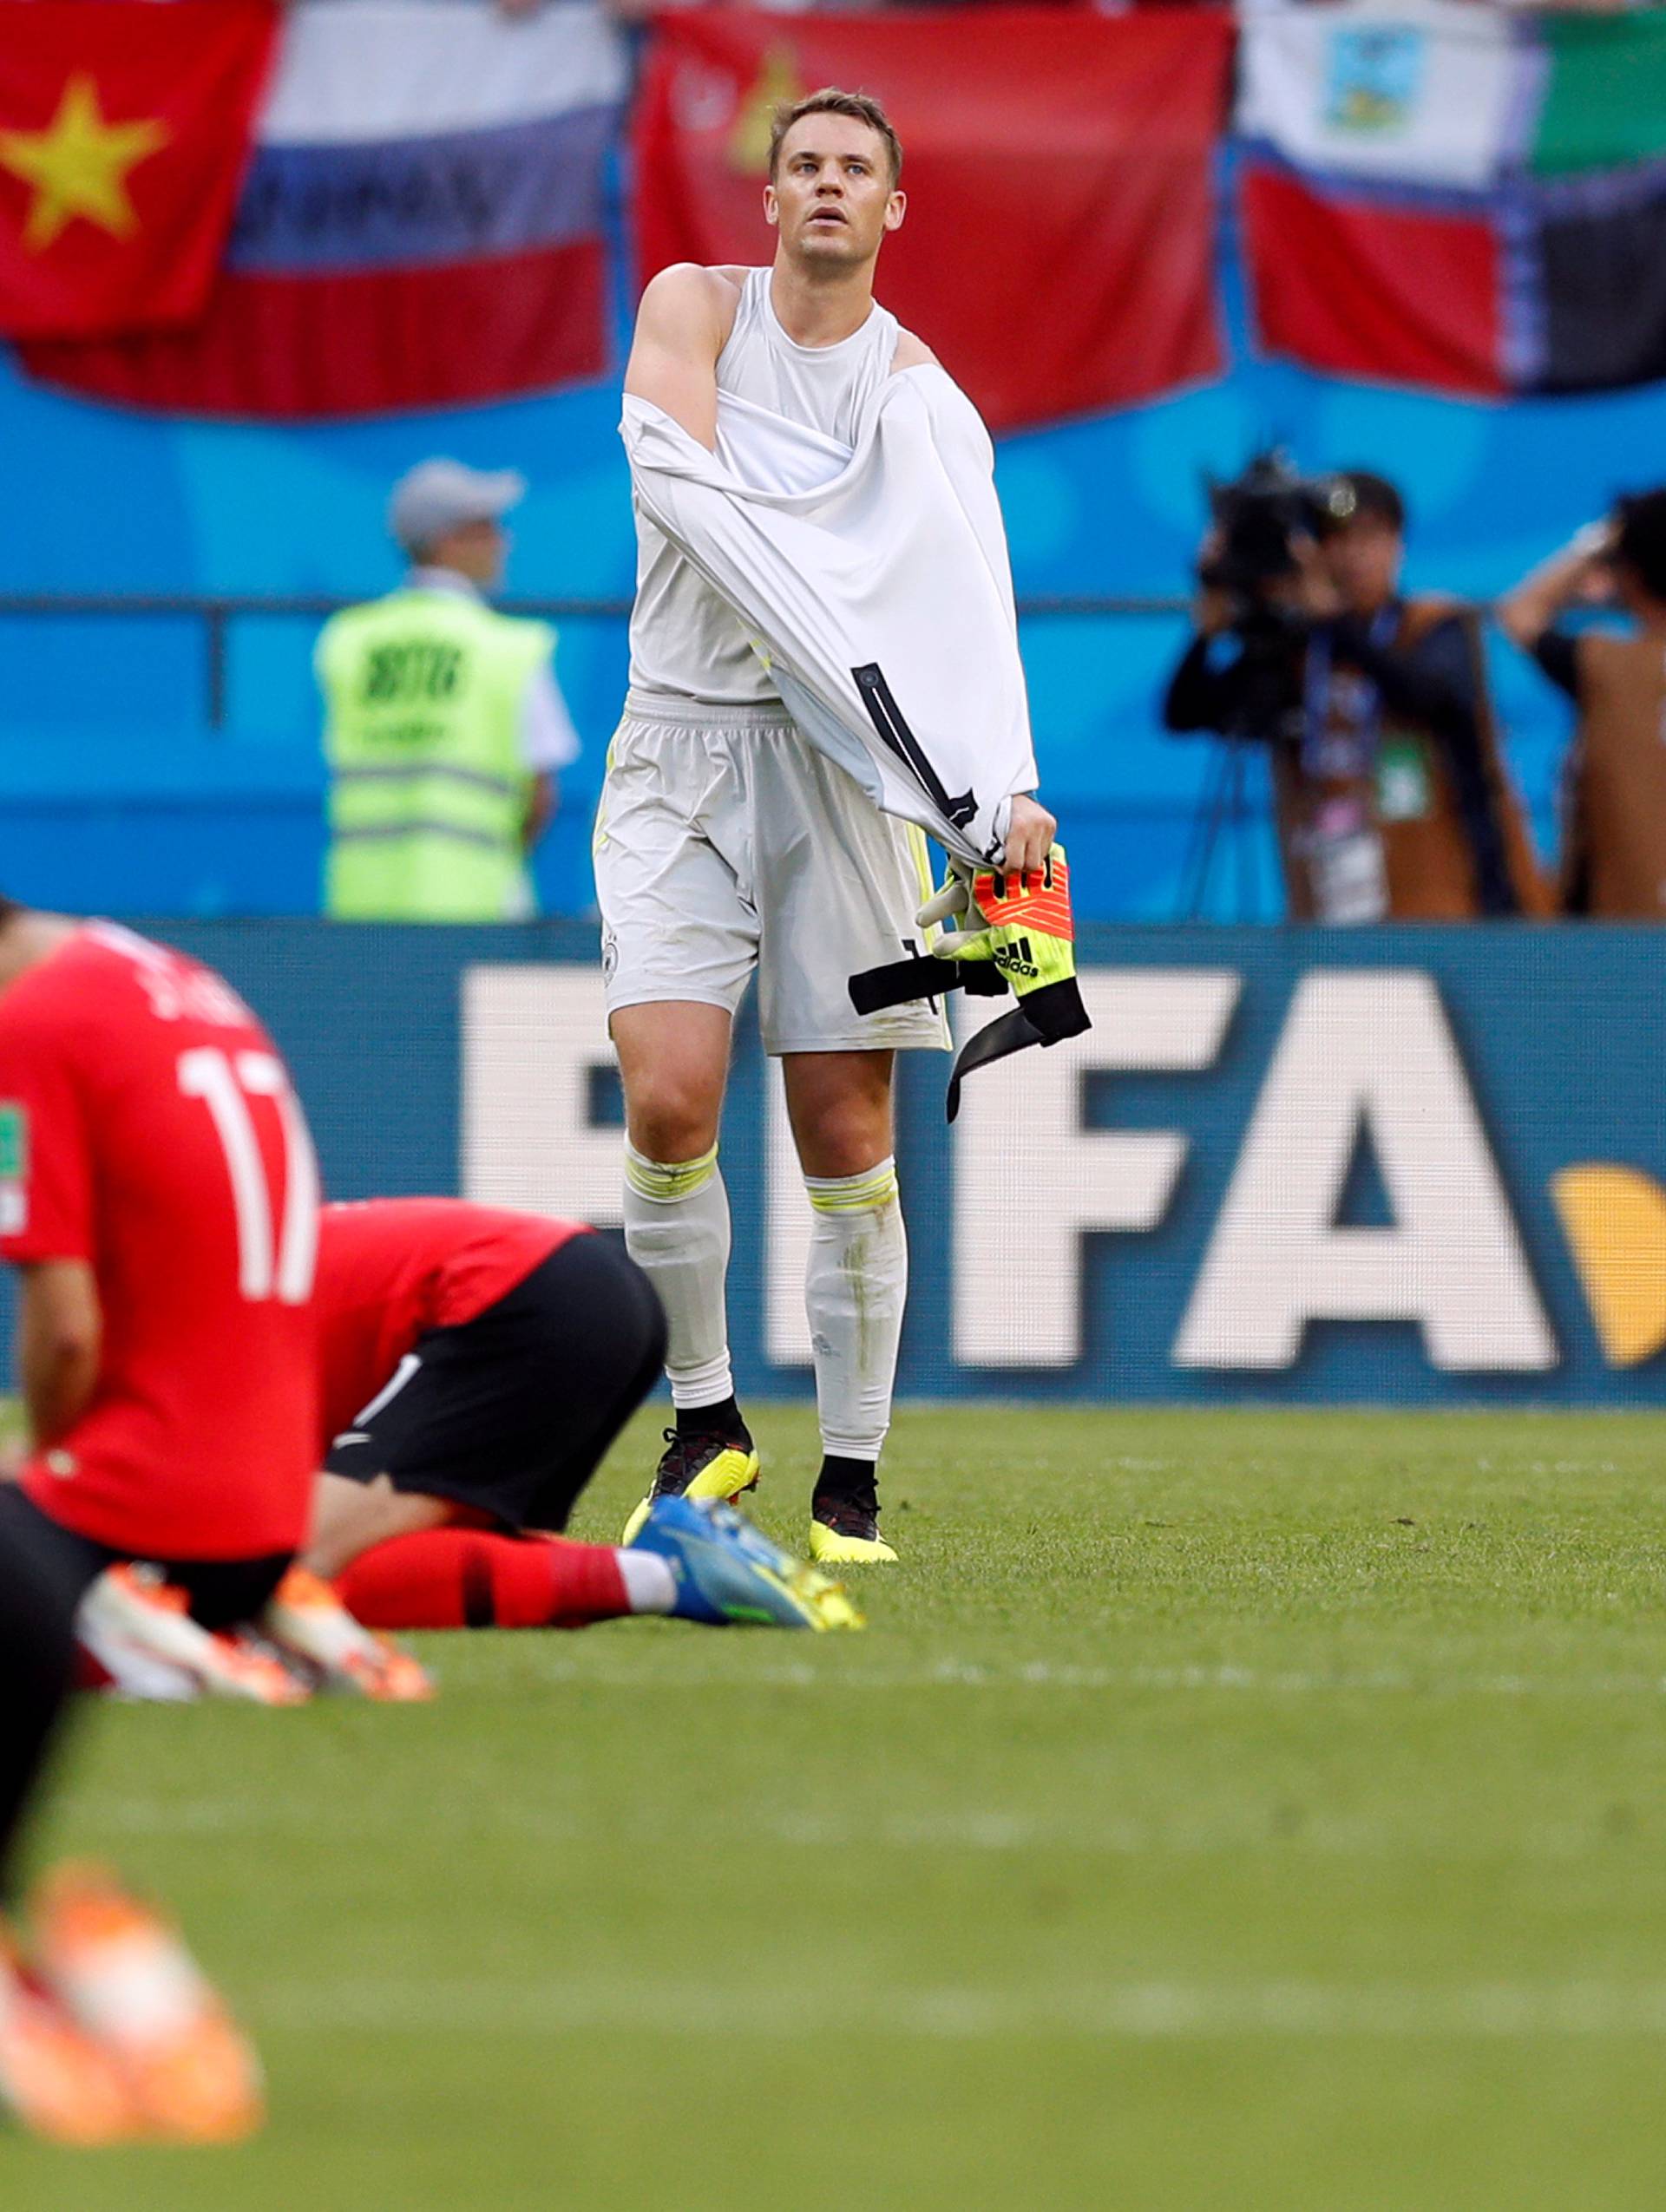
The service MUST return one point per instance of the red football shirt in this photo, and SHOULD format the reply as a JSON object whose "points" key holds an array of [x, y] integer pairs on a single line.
{"points": [[147, 1127], [389, 1269]]}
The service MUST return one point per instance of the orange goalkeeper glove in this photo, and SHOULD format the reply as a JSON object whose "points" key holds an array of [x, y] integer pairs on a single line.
{"points": [[1010, 934]]}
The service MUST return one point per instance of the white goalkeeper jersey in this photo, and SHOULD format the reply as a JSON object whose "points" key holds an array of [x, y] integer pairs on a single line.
{"points": [[876, 584], [685, 641]]}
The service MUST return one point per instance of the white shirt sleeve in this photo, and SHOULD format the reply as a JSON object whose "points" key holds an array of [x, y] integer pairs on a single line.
{"points": [[882, 595], [548, 741]]}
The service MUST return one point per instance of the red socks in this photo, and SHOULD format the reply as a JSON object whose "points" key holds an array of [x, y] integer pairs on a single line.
{"points": [[467, 1578]]}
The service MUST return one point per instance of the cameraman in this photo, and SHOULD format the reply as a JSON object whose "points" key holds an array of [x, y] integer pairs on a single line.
{"points": [[1390, 795], [1614, 844]]}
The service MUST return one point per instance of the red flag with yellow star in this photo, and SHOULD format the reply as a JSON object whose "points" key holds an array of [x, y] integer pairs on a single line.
{"points": [[124, 129]]}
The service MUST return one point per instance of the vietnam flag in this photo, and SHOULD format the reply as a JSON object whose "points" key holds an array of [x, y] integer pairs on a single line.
{"points": [[124, 129], [1058, 252], [423, 222]]}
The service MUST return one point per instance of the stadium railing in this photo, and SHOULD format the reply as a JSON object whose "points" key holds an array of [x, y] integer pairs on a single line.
{"points": [[161, 753], [217, 611]]}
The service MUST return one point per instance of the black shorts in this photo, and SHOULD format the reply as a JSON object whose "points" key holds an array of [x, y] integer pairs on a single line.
{"points": [[222, 1591], [511, 1413]]}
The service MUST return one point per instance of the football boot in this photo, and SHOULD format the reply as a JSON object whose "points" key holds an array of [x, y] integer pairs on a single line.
{"points": [[708, 1465], [730, 1573], [122, 1973]]}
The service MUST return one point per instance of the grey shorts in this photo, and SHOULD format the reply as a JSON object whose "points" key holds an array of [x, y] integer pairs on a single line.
{"points": [[724, 844]]}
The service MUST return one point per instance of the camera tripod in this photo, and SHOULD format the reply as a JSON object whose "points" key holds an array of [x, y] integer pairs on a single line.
{"points": [[1224, 837]]}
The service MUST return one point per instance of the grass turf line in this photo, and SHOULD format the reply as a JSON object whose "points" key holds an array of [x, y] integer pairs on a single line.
{"points": [[1243, 1809]]}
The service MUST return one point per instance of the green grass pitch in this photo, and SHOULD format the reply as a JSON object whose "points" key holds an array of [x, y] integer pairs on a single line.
{"points": [[1225, 1810]]}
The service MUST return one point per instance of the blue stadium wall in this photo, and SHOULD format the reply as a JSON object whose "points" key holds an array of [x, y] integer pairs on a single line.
{"points": [[114, 793], [1286, 1166]]}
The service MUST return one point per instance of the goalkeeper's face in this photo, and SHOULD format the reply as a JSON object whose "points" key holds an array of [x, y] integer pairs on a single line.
{"points": [[832, 196]]}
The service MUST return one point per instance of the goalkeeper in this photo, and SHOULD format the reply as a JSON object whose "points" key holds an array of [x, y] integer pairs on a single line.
{"points": [[823, 665]]}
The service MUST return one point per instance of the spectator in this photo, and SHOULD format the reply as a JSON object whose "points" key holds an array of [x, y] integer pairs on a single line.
{"points": [[1614, 838], [445, 729], [1391, 796]]}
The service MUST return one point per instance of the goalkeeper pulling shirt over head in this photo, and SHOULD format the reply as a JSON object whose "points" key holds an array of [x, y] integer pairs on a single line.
{"points": [[726, 845]]}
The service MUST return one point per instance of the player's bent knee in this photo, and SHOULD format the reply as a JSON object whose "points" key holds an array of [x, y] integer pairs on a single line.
{"points": [[350, 1517]]}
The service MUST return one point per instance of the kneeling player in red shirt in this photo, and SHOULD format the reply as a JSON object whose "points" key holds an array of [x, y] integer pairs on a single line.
{"points": [[159, 1194], [476, 1366]]}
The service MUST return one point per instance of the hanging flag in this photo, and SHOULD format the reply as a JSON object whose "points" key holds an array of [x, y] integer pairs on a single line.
{"points": [[422, 224], [1058, 250], [123, 134], [1444, 195], [1595, 251]]}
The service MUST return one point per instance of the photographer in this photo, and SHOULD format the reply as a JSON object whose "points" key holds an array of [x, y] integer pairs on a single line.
{"points": [[1614, 845], [1390, 793]]}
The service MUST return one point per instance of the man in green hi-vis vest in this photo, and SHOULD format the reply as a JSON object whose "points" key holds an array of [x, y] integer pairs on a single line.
{"points": [[444, 727]]}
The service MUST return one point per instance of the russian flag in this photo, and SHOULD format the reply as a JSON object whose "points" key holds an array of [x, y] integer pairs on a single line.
{"points": [[422, 224]]}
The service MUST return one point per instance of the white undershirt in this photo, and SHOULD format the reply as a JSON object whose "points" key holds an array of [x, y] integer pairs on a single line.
{"points": [[685, 642]]}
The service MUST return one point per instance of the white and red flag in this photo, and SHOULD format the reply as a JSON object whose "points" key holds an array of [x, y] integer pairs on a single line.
{"points": [[422, 222]]}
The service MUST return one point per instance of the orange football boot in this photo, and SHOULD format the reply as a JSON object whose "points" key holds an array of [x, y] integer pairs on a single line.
{"points": [[307, 1618], [123, 1974], [131, 1612]]}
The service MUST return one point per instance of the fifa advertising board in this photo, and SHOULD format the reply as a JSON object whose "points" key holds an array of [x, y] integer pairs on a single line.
{"points": [[1376, 1166]]}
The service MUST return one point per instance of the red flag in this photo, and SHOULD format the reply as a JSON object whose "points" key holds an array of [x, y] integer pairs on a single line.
{"points": [[124, 127], [1403, 295], [423, 223], [1058, 252]]}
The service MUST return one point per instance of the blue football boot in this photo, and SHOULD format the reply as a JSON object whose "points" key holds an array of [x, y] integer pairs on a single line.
{"points": [[729, 1573]]}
